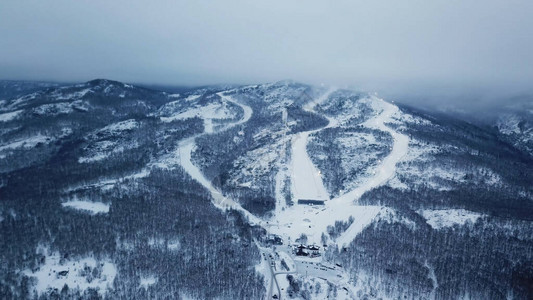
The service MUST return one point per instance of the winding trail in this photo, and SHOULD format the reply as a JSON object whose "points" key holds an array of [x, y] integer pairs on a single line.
{"points": [[387, 169], [384, 172], [292, 221], [185, 148], [313, 220]]}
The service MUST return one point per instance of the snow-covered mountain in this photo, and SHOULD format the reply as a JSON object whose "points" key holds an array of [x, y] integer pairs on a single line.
{"points": [[110, 190], [516, 126]]}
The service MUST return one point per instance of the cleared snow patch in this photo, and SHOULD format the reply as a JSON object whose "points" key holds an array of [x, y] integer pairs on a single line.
{"points": [[53, 109], [103, 149], [120, 126], [148, 281], [79, 274], [442, 218], [391, 216], [6, 117], [173, 245], [211, 111], [28, 143], [192, 97], [88, 206], [402, 119]]}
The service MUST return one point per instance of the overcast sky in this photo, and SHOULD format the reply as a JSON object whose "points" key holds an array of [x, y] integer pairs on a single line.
{"points": [[448, 45]]}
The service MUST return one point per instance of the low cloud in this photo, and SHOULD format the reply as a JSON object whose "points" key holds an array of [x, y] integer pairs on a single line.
{"points": [[419, 50]]}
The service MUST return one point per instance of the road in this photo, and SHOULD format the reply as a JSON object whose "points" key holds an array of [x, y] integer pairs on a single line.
{"points": [[269, 256]]}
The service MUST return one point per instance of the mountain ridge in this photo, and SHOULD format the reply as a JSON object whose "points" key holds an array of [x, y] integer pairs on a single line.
{"points": [[136, 174]]}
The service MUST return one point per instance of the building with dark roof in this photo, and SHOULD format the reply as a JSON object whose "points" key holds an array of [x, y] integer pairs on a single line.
{"points": [[310, 202]]}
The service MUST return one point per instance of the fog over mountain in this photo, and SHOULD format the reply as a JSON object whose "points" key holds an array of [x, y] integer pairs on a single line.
{"points": [[440, 50], [295, 150]]}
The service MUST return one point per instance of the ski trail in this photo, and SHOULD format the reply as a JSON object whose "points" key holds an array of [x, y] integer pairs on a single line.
{"points": [[385, 171], [185, 149], [306, 180], [247, 111], [387, 168]]}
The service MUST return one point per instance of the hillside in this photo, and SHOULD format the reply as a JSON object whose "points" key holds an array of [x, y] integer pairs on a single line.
{"points": [[110, 190]]}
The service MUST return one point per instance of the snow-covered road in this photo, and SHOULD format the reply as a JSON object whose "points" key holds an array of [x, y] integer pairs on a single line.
{"points": [[185, 149]]}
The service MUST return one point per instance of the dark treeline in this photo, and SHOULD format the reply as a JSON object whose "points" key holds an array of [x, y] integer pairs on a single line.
{"points": [[213, 254], [217, 153], [485, 260]]}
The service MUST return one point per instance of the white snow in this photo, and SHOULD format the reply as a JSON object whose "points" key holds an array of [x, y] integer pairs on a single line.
{"points": [[247, 110], [442, 218], [106, 183], [314, 220], [147, 281], [182, 155], [391, 216], [185, 149], [28, 143], [209, 112], [421, 168], [9, 116], [120, 126], [400, 119], [252, 167], [80, 274], [306, 178], [281, 176], [291, 222], [295, 220], [102, 149], [79, 94], [263, 268], [387, 169], [90, 207], [192, 97], [173, 245], [22, 99], [53, 109]]}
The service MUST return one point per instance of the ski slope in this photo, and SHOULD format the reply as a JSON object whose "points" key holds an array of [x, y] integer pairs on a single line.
{"points": [[387, 169], [188, 145], [306, 183], [314, 220], [306, 179]]}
